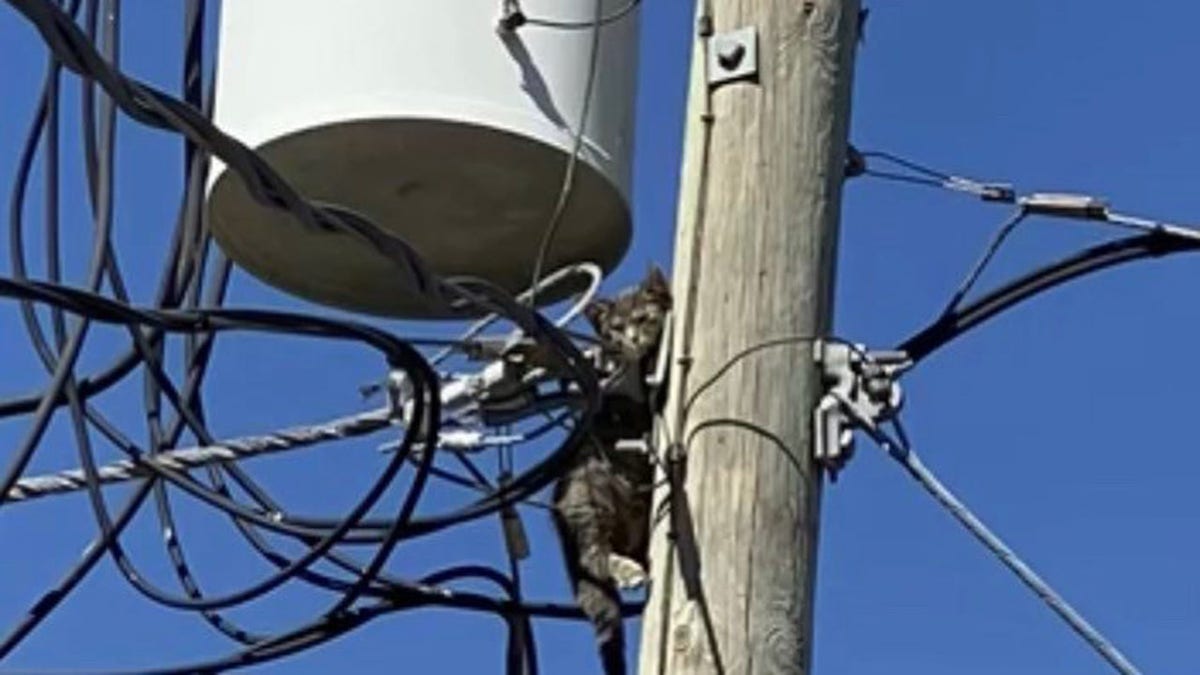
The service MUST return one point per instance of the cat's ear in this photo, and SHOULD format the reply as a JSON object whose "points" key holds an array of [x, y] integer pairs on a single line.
{"points": [[657, 286], [656, 280], [596, 312]]}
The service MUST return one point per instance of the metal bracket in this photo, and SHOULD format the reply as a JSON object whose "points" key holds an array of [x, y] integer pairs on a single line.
{"points": [[860, 392], [636, 446], [733, 56], [662, 361]]}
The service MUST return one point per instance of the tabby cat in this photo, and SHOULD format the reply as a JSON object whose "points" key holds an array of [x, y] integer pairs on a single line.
{"points": [[602, 503]]}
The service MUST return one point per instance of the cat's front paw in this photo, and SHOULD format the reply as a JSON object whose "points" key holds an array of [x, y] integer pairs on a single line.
{"points": [[626, 573]]}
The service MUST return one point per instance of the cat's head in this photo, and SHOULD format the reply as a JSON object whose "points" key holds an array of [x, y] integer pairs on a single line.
{"points": [[633, 321]]}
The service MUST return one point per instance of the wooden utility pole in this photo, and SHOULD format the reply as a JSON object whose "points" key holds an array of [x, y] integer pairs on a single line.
{"points": [[754, 267]]}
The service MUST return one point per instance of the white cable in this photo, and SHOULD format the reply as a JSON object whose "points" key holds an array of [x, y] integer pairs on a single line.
{"points": [[595, 276]]}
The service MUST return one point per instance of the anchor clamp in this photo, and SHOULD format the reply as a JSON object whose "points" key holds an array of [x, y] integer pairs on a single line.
{"points": [[861, 392]]}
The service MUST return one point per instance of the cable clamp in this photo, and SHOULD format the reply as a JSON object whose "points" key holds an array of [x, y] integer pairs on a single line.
{"points": [[1062, 205], [988, 192], [856, 163], [516, 542], [399, 392], [860, 392], [511, 17]]}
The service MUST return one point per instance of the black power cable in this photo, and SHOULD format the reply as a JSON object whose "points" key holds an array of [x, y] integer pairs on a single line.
{"points": [[185, 304], [1094, 259]]}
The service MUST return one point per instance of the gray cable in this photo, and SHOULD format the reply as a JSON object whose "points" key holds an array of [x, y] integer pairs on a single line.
{"points": [[246, 447], [903, 453], [124, 470]]}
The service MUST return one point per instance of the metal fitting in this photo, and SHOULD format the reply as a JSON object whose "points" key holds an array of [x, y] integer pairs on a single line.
{"points": [[860, 392]]}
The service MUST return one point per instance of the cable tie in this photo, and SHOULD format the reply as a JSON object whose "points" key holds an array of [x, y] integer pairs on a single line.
{"points": [[515, 540], [856, 164]]}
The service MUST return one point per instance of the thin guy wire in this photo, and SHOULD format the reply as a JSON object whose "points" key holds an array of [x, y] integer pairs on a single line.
{"points": [[907, 164], [1006, 228], [732, 361], [926, 176]]}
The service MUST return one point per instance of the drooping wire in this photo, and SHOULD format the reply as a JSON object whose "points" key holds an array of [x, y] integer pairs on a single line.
{"points": [[604, 20], [180, 308], [568, 182], [152, 107]]}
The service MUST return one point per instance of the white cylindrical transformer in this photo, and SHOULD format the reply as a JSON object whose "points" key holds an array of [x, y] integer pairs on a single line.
{"points": [[425, 117]]}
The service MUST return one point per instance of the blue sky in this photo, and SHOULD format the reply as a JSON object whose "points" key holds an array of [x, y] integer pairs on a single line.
{"points": [[1065, 422]]}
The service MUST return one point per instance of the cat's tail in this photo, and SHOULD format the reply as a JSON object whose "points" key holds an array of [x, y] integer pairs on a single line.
{"points": [[602, 605]]}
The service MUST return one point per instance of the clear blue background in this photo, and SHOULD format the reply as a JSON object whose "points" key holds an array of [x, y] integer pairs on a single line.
{"points": [[1068, 423]]}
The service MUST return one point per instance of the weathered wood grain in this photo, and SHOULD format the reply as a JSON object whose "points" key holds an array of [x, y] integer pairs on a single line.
{"points": [[755, 257]]}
